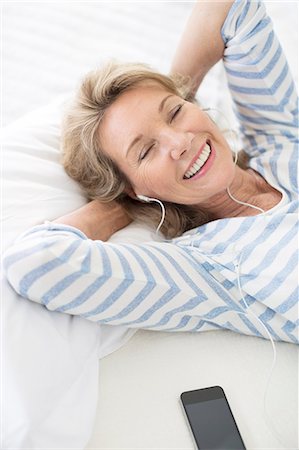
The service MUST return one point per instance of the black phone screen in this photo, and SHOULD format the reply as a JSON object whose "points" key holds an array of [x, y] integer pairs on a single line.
{"points": [[211, 420]]}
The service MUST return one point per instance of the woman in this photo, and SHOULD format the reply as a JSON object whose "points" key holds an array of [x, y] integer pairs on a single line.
{"points": [[136, 142]]}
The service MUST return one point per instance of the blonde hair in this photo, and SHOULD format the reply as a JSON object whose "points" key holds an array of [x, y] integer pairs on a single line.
{"points": [[85, 161]]}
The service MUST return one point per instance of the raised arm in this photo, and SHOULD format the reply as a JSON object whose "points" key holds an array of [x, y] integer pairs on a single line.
{"points": [[259, 79], [150, 285], [201, 45]]}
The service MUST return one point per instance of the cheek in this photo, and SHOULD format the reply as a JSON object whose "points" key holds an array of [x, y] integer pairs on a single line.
{"points": [[149, 174], [151, 178], [141, 176]]}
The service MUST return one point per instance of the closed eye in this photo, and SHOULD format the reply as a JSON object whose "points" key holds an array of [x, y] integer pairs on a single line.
{"points": [[175, 112], [145, 152]]}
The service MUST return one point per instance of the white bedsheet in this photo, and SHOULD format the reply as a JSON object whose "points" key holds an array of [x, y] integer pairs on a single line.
{"points": [[47, 46], [140, 385]]}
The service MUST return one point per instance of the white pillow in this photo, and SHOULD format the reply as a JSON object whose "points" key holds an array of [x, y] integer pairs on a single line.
{"points": [[50, 361]]}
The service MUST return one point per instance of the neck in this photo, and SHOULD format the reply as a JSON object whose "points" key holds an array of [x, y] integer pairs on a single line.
{"points": [[246, 187]]}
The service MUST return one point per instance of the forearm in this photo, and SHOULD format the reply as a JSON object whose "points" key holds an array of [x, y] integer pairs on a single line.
{"points": [[201, 45], [98, 221]]}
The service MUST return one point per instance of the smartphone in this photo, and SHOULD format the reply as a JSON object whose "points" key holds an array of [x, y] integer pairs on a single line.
{"points": [[211, 421]]}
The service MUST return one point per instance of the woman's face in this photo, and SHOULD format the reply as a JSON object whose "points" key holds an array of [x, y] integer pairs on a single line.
{"points": [[167, 147]]}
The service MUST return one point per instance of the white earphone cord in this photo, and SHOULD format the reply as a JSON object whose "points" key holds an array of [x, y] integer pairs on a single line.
{"points": [[238, 269], [234, 198], [146, 199], [163, 214]]}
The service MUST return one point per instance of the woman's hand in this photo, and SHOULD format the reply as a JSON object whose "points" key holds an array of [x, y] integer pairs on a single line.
{"points": [[201, 45], [97, 220]]}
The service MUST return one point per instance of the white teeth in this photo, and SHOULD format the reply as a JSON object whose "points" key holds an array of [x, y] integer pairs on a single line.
{"points": [[199, 162]]}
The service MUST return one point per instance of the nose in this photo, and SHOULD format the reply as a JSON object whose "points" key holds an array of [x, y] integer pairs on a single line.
{"points": [[176, 143]]}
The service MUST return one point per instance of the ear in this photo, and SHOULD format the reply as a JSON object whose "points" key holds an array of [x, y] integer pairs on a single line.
{"points": [[131, 193]]}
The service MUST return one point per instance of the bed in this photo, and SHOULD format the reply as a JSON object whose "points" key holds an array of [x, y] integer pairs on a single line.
{"points": [[68, 383]]}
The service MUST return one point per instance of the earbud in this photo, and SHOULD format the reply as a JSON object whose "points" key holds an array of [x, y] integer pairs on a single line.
{"points": [[144, 198]]}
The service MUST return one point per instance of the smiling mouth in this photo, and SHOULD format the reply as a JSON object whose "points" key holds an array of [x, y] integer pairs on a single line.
{"points": [[199, 163]]}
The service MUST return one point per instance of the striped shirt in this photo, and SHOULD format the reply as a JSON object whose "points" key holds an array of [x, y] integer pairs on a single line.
{"points": [[200, 280]]}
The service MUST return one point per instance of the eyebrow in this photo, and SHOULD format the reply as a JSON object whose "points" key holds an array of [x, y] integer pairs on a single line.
{"points": [[139, 137]]}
